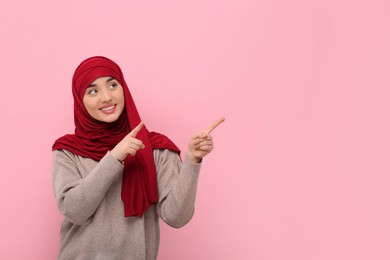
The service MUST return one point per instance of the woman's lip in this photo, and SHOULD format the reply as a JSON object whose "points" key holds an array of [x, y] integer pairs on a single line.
{"points": [[108, 109]]}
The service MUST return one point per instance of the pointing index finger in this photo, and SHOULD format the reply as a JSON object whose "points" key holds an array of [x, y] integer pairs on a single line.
{"points": [[135, 131], [214, 125]]}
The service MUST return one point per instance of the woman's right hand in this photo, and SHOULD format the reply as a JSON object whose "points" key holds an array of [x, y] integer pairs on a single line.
{"points": [[128, 145]]}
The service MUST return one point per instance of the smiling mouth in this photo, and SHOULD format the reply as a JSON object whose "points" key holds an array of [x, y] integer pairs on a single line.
{"points": [[108, 108]]}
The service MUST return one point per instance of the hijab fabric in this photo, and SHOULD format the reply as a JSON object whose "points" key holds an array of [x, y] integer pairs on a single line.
{"points": [[93, 138]]}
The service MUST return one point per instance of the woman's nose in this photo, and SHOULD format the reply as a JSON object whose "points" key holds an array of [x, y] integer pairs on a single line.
{"points": [[106, 96]]}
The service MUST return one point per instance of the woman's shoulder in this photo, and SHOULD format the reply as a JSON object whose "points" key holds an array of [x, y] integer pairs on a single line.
{"points": [[63, 154], [165, 156], [63, 151]]}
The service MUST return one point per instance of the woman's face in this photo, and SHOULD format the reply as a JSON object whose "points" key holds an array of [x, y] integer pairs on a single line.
{"points": [[104, 99]]}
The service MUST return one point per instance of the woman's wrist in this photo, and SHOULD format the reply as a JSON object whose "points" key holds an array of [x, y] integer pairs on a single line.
{"points": [[113, 154], [194, 159]]}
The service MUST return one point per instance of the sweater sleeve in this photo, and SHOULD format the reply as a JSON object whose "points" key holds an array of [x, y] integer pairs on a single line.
{"points": [[77, 197], [177, 184]]}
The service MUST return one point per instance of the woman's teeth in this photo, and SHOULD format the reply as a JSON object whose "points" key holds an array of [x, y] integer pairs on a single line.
{"points": [[108, 108]]}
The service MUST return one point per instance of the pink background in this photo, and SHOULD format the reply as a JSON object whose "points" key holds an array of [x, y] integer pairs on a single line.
{"points": [[301, 166]]}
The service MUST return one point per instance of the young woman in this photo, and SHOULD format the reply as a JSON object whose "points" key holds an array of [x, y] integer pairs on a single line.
{"points": [[112, 178]]}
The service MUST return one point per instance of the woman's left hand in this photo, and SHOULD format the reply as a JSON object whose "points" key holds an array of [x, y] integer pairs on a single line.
{"points": [[202, 144]]}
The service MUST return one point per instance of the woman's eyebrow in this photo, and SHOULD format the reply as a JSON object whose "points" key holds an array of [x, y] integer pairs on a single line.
{"points": [[110, 79], [94, 85]]}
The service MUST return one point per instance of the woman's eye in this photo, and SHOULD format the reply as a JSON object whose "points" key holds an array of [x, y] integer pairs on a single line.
{"points": [[112, 86], [92, 92]]}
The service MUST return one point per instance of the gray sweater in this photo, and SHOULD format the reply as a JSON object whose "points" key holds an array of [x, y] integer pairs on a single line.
{"points": [[88, 194]]}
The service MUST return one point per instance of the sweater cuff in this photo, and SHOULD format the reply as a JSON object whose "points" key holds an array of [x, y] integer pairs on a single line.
{"points": [[190, 167], [109, 161]]}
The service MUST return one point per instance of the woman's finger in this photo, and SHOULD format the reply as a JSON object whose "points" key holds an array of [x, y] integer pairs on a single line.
{"points": [[204, 143], [214, 125], [135, 141]]}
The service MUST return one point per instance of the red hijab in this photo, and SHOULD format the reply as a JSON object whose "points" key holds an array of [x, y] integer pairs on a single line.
{"points": [[92, 138]]}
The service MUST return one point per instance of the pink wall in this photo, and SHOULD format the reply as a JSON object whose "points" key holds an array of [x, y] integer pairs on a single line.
{"points": [[301, 166]]}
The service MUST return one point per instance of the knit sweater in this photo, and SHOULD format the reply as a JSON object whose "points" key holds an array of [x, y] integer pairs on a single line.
{"points": [[88, 194]]}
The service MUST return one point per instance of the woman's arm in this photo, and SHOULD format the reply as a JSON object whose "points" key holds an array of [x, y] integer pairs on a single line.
{"points": [[177, 184], [77, 197]]}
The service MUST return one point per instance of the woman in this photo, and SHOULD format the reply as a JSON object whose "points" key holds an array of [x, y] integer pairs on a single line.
{"points": [[113, 179]]}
